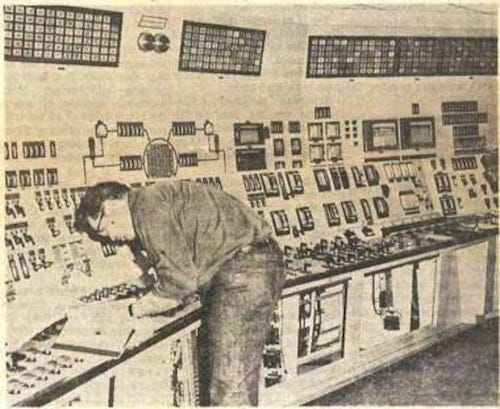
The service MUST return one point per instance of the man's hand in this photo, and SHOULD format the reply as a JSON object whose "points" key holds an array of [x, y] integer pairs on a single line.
{"points": [[152, 304]]}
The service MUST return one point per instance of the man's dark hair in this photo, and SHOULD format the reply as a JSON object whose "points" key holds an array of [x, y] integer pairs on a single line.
{"points": [[91, 203]]}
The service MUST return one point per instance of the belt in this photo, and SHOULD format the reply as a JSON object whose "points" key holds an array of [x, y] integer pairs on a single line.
{"points": [[255, 245]]}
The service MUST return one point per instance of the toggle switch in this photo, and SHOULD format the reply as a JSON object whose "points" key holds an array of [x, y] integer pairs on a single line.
{"points": [[18, 240], [65, 197], [57, 199], [10, 211], [33, 260], [28, 238], [48, 200], [28, 380], [53, 367], [34, 350], [86, 268], [68, 220], [65, 361], [39, 201], [14, 386], [42, 373], [51, 224], [9, 243], [19, 209], [10, 291], [43, 258], [433, 164]]}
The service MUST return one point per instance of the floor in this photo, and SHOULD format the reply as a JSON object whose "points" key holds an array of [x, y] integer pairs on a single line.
{"points": [[460, 371]]}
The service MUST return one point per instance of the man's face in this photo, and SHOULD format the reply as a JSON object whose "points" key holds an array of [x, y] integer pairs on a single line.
{"points": [[114, 221]]}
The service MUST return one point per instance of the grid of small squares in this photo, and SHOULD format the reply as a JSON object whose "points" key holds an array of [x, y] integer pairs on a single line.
{"points": [[466, 130], [458, 106], [466, 56], [340, 56], [419, 56], [221, 49], [465, 118], [350, 56], [62, 35]]}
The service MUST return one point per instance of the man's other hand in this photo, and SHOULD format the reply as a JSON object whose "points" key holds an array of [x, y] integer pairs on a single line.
{"points": [[151, 304]]}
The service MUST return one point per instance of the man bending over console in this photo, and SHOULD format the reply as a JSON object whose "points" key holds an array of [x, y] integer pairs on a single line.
{"points": [[204, 242]]}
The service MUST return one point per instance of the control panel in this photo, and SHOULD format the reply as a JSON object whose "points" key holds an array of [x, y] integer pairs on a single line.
{"points": [[359, 151]]}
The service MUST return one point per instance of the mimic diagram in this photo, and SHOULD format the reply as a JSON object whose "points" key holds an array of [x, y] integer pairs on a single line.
{"points": [[156, 157]]}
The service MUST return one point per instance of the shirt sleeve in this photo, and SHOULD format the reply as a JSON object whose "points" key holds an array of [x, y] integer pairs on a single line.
{"points": [[160, 232]]}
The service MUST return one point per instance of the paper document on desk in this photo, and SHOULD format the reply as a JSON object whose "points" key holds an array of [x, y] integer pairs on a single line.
{"points": [[101, 328], [31, 316], [107, 328]]}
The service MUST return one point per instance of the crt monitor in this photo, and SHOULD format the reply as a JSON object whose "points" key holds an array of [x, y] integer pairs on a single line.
{"points": [[246, 134], [380, 135], [417, 133]]}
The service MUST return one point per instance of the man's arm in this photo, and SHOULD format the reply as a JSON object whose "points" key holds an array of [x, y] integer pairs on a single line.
{"points": [[161, 234], [148, 276]]}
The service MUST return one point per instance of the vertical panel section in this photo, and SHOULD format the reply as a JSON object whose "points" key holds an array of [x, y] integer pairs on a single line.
{"points": [[448, 313]]}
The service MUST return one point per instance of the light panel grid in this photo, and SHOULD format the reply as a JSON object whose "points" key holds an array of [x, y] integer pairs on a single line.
{"points": [[214, 48], [353, 56], [350, 56], [419, 56], [62, 35], [468, 56]]}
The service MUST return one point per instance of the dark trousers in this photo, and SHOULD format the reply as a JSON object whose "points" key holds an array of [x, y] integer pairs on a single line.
{"points": [[237, 310]]}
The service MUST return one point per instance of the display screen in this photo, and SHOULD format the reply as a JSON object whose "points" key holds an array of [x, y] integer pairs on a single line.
{"points": [[417, 133], [384, 136], [248, 134], [420, 134], [380, 135], [250, 159]]}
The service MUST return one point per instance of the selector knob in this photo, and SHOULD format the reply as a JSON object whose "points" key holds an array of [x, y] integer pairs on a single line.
{"points": [[145, 41], [161, 43]]}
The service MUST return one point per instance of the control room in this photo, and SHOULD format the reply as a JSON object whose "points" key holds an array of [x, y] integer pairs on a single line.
{"points": [[250, 203]]}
